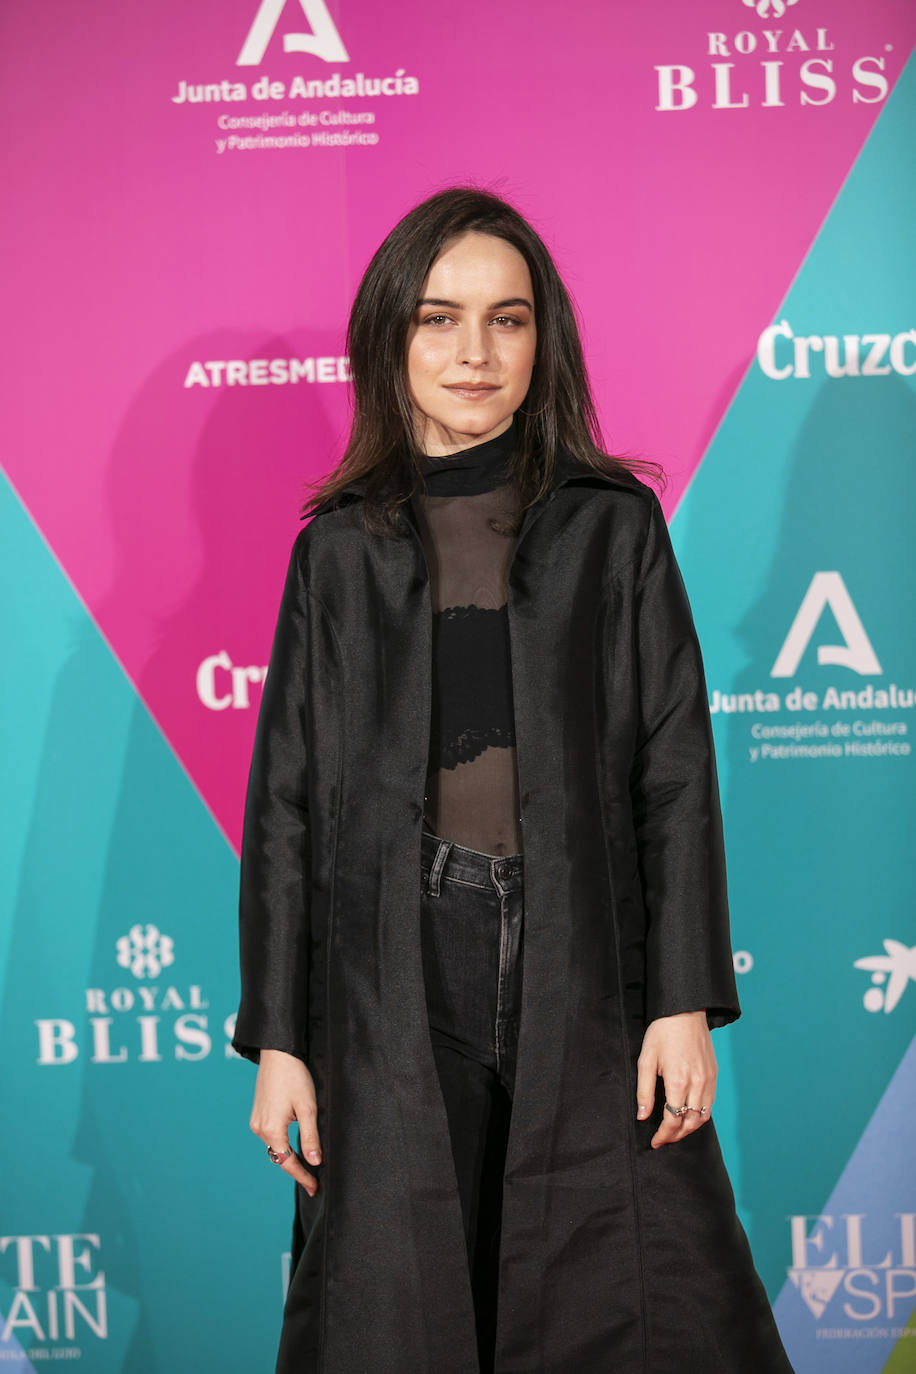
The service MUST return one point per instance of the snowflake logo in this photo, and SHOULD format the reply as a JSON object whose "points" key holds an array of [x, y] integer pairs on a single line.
{"points": [[146, 951], [890, 974], [770, 8]]}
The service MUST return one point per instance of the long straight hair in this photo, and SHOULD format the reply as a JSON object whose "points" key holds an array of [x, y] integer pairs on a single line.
{"points": [[558, 412]]}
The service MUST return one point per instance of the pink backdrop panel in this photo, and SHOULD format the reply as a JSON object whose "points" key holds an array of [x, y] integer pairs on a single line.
{"points": [[160, 235]]}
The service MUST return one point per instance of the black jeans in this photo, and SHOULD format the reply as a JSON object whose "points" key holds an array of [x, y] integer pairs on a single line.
{"points": [[472, 930]]}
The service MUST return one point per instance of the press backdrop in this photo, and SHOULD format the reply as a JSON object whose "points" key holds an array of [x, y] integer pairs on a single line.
{"points": [[191, 194]]}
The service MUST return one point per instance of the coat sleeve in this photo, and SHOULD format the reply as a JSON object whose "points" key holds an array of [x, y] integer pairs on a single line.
{"points": [[276, 852], [675, 796]]}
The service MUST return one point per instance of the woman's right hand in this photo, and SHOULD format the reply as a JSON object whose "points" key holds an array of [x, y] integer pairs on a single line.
{"points": [[284, 1093]]}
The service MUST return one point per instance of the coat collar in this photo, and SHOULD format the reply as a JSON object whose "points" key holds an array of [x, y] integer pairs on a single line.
{"points": [[566, 470]]}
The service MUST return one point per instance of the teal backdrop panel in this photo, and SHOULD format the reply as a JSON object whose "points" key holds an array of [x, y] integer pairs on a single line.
{"points": [[142, 1229], [796, 542]]}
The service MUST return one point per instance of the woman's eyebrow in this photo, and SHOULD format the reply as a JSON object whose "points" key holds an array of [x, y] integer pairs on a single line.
{"points": [[497, 305]]}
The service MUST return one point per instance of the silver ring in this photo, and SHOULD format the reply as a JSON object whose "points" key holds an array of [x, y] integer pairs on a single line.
{"points": [[677, 1111], [701, 1110], [279, 1158]]}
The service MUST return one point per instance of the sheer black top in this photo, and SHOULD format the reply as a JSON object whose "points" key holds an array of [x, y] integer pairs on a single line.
{"points": [[468, 515]]}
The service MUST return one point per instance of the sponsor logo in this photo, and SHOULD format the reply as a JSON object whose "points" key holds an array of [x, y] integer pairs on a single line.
{"points": [[58, 1295], [334, 87], [838, 1275], [267, 372], [891, 972], [323, 39], [782, 354], [743, 961], [770, 9], [145, 951], [771, 68], [277, 32], [827, 589], [837, 736], [220, 684], [143, 1022]]}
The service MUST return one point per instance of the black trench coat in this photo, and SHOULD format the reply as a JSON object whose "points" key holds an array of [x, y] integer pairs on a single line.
{"points": [[614, 1257]]}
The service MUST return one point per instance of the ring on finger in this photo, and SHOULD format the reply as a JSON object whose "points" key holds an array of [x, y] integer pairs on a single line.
{"points": [[701, 1111], [281, 1158], [678, 1111]]}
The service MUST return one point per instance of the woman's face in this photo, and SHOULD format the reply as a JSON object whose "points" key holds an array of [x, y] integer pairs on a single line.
{"points": [[471, 345]]}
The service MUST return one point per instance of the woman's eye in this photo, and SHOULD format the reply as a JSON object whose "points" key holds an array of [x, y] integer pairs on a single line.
{"points": [[435, 319], [507, 320]]}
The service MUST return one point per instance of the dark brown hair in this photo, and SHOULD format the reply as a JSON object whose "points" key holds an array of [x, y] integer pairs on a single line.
{"points": [[558, 412]]}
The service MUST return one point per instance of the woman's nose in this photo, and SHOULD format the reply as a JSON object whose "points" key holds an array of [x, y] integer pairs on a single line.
{"points": [[473, 345]]}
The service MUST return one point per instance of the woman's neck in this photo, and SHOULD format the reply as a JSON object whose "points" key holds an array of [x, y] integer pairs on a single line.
{"points": [[472, 470]]}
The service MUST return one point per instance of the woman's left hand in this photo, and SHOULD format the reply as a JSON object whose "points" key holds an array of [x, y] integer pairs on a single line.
{"points": [[679, 1050]]}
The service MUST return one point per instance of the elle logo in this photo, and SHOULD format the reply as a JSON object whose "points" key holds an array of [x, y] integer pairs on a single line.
{"points": [[323, 41], [832, 1257]]}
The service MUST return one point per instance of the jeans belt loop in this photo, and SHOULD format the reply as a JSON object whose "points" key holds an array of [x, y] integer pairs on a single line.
{"points": [[438, 864]]}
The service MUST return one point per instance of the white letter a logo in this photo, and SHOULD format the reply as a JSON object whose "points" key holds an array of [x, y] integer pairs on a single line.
{"points": [[827, 589], [323, 41]]}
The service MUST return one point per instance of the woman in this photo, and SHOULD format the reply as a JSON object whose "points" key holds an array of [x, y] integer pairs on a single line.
{"points": [[483, 899]]}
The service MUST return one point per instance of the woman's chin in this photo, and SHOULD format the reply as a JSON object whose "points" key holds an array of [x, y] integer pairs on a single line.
{"points": [[462, 432]]}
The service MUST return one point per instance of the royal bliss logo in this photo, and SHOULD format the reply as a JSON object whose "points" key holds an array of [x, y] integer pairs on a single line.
{"points": [[771, 68], [145, 951], [770, 9], [145, 1021]]}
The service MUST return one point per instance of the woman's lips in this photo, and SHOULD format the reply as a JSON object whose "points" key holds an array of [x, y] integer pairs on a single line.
{"points": [[472, 393]]}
